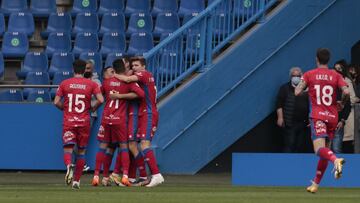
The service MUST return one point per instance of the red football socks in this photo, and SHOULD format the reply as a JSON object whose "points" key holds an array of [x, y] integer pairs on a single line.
{"points": [[99, 161], [67, 158], [327, 154], [80, 162], [151, 161], [320, 170]]}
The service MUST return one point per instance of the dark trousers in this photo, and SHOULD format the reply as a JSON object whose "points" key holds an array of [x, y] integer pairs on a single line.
{"points": [[296, 138]]}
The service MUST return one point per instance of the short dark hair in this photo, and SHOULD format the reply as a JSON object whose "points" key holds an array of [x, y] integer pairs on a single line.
{"points": [[119, 66], [323, 56], [79, 66], [138, 58]]}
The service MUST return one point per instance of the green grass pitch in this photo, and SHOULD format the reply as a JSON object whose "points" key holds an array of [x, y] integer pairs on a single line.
{"points": [[37, 187]]}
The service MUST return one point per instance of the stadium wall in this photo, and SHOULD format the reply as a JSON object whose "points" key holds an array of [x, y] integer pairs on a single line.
{"points": [[209, 113]]}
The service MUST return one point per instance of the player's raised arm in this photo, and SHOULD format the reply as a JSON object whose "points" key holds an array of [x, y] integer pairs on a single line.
{"points": [[116, 95], [127, 79], [300, 88], [58, 103]]}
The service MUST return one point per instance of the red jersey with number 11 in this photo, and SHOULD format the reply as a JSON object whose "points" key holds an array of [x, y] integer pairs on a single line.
{"points": [[323, 84], [77, 94]]}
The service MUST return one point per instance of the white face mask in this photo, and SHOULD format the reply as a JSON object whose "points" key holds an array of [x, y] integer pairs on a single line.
{"points": [[295, 80]]}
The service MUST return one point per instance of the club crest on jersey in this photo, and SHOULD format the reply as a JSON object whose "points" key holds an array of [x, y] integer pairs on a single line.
{"points": [[68, 135], [101, 131], [320, 127]]}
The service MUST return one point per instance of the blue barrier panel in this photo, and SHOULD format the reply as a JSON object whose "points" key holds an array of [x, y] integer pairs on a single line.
{"points": [[270, 169]]}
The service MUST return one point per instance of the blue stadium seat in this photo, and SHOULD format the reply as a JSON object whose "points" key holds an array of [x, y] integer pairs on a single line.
{"points": [[164, 6], [111, 58], [113, 42], [21, 22], [2, 65], [33, 62], [39, 96], [107, 6], [58, 42], [225, 7], [61, 62], [86, 42], [58, 22], [10, 6], [36, 78], [170, 65], [41, 8], [140, 43], [188, 17], [81, 6], [2, 24], [188, 7], [58, 78], [86, 22], [166, 23], [15, 44], [11, 95], [112, 22], [140, 22], [245, 8], [137, 6], [94, 56]]}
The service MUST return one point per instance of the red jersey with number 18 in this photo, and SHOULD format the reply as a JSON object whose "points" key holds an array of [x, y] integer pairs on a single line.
{"points": [[77, 94], [323, 84]]}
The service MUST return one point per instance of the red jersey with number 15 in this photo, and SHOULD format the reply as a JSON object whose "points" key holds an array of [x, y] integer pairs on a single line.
{"points": [[77, 94], [115, 111], [147, 83], [323, 84]]}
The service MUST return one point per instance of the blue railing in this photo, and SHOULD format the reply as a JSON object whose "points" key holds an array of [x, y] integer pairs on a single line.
{"points": [[192, 47]]}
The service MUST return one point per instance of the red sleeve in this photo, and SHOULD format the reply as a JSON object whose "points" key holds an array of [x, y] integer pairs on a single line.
{"points": [[59, 91], [134, 87], [341, 82], [141, 76], [96, 88], [305, 78]]}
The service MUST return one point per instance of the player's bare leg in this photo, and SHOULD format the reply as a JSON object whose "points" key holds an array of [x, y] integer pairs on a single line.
{"points": [[156, 177], [68, 151]]}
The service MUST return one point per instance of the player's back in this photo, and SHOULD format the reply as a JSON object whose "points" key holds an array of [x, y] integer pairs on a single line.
{"points": [[77, 94], [115, 110], [147, 83], [323, 84]]}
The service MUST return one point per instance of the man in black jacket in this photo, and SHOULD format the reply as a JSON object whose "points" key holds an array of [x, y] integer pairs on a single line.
{"points": [[292, 112]]}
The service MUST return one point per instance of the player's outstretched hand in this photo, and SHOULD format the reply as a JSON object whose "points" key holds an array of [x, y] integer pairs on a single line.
{"points": [[113, 94]]}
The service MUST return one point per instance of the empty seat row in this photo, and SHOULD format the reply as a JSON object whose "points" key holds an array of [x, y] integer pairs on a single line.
{"points": [[39, 8], [88, 42], [112, 22], [139, 6], [18, 22]]}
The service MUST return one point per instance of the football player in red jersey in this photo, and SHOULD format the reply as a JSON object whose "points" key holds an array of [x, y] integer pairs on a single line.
{"points": [[323, 83], [76, 93], [148, 117]]}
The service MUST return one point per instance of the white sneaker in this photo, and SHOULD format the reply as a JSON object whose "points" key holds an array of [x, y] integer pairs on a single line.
{"points": [[156, 179], [76, 185], [69, 174]]}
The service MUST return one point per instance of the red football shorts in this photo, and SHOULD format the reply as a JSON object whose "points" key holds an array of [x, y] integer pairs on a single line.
{"points": [[147, 126], [322, 129], [76, 135], [112, 133]]}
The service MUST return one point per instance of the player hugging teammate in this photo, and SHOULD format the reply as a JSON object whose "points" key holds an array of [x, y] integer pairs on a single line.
{"points": [[129, 121]]}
